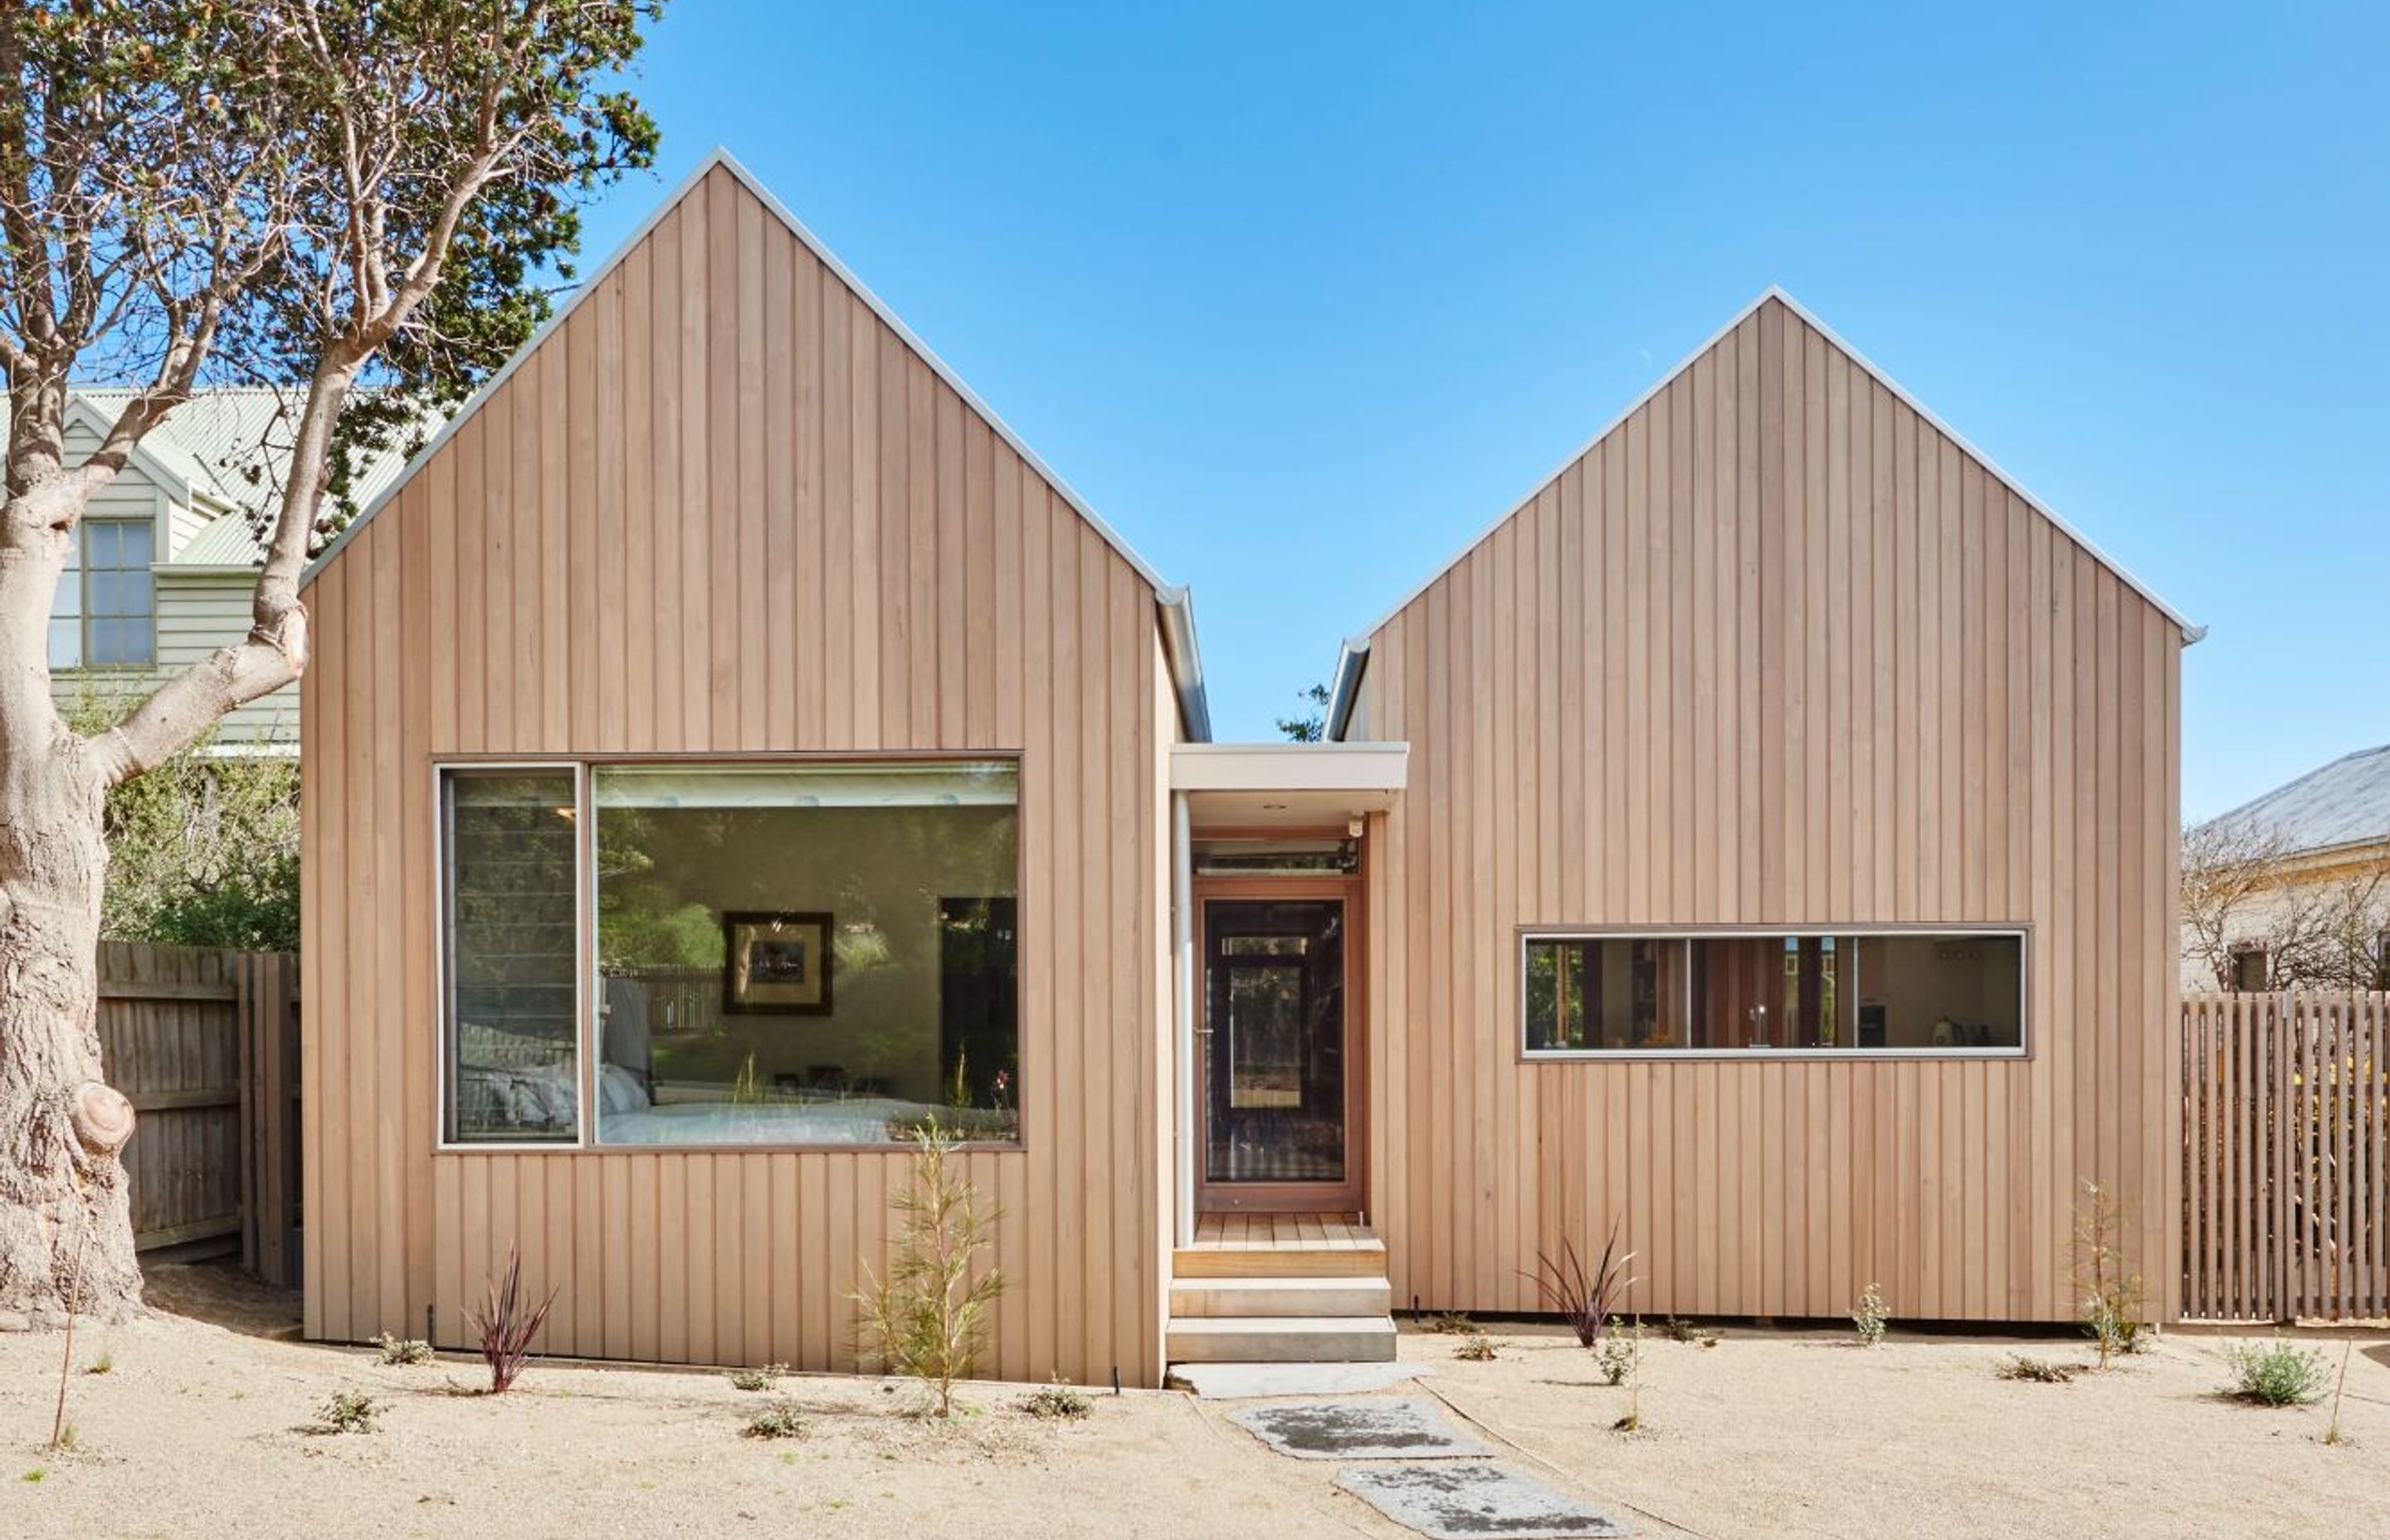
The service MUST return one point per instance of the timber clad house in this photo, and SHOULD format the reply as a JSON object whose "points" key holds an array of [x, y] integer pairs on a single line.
{"points": [[728, 749]]}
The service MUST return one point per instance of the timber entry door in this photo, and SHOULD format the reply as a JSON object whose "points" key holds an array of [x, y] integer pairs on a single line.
{"points": [[1278, 1068]]}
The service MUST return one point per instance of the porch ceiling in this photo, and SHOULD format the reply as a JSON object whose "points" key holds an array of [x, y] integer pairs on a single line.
{"points": [[1287, 785]]}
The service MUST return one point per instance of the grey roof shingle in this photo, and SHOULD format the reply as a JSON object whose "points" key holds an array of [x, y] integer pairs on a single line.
{"points": [[2346, 802]]}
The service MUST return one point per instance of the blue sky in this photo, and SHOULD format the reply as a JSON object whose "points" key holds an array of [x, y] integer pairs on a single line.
{"points": [[1301, 296]]}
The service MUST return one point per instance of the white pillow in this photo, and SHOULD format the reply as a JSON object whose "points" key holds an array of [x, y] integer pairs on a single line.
{"points": [[619, 1090]]}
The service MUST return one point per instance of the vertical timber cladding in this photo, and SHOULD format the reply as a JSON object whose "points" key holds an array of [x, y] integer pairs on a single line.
{"points": [[726, 507], [1777, 650]]}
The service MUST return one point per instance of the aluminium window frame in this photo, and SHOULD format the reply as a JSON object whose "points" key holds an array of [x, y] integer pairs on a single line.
{"points": [[442, 1141], [586, 1039], [1526, 935]]}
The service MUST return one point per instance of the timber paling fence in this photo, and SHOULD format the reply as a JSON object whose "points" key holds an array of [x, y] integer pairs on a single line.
{"points": [[2286, 1155], [205, 1044]]}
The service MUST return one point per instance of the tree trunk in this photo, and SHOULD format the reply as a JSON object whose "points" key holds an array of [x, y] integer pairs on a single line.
{"points": [[66, 1219]]}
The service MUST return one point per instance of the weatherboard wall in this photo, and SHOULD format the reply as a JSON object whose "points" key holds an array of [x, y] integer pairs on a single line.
{"points": [[1775, 652], [725, 508]]}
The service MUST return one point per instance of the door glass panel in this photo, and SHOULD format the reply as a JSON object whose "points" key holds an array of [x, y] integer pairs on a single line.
{"points": [[1275, 1062]]}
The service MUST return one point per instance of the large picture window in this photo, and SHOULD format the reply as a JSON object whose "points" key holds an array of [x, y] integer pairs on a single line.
{"points": [[815, 955], [1871, 992]]}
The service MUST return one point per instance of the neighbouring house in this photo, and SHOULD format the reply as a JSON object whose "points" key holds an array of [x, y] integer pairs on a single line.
{"points": [[165, 562], [2292, 889], [729, 749]]}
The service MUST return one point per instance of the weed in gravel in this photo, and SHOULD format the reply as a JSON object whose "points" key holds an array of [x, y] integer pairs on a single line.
{"points": [[762, 1378], [405, 1353], [1059, 1402], [778, 1419], [2040, 1371], [351, 1412]]}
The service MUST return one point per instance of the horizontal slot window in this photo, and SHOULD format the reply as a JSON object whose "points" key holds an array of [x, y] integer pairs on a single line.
{"points": [[1815, 993]]}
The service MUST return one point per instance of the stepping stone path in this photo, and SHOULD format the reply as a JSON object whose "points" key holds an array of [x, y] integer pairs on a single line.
{"points": [[1431, 1476], [1463, 1502], [1357, 1429]]}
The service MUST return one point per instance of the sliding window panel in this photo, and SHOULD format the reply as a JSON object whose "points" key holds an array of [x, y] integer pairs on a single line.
{"points": [[1946, 992], [1593, 992], [510, 1055]]}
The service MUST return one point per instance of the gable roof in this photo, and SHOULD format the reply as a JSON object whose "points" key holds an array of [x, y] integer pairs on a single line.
{"points": [[2346, 802], [1354, 656], [218, 451], [1177, 613]]}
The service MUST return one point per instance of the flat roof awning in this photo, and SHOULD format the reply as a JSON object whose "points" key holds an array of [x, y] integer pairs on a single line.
{"points": [[1287, 785]]}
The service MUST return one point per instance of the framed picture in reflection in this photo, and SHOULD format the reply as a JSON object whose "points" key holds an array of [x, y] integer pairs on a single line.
{"points": [[776, 962]]}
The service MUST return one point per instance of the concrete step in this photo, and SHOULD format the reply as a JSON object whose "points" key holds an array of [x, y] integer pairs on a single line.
{"points": [[1364, 1260], [1191, 1298], [1282, 1339]]}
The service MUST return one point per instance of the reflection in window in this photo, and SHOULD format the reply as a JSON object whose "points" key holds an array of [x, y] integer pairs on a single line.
{"points": [[818, 956], [1724, 993], [513, 1072]]}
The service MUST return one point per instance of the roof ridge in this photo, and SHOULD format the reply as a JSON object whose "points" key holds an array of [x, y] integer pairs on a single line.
{"points": [[721, 159], [2191, 631]]}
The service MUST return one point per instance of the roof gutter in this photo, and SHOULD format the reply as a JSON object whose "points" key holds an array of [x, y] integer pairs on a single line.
{"points": [[1345, 693], [1176, 608]]}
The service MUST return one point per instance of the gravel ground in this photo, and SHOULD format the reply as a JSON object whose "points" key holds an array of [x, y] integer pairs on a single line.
{"points": [[1797, 1434], [202, 1428]]}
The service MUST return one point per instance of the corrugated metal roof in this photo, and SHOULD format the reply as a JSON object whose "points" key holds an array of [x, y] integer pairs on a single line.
{"points": [[2346, 802], [231, 443], [228, 541]]}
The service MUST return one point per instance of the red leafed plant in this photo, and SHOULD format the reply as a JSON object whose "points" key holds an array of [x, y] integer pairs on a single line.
{"points": [[1588, 1300], [506, 1323]]}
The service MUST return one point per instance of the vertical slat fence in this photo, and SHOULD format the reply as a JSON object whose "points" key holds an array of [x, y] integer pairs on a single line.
{"points": [[204, 1042], [2286, 1151]]}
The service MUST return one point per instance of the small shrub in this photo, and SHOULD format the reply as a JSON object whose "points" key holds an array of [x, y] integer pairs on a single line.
{"points": [[400, 1353], [1633, 1379], [2110, 1290], [928, 1318], [1452, 1323], [1620, 1352], [1870, 1319], [778, 1419], [1477, 1348], [36, 1476], [2332, 1434], [2275, 1373], [104, 1364], [506, 1323], [758, 1378], [351, 1412], [1059, 1402], [1586, 1299], [2040, 1372]]}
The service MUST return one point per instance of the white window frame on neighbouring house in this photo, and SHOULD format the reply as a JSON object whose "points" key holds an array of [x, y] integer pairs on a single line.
{"points": [[1849, 981], [77, 609]]}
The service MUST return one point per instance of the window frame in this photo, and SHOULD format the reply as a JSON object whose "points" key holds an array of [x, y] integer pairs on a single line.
{"points": [[84, 618], [442, 1140], [1526, 935], [586, 1025]]}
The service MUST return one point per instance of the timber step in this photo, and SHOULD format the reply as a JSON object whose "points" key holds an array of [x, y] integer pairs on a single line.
{"points": [[1209, 1297], [1282, 1339], [1363, 1259]]}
